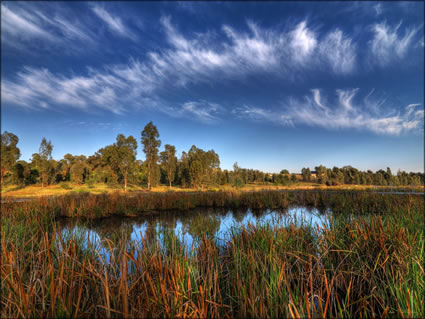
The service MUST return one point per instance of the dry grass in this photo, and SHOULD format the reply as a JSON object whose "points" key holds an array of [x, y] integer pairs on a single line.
{"points": [[13, 191]]}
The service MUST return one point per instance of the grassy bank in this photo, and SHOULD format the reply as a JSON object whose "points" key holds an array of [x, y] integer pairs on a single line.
{"points": [[15, 191], [368, 266]]}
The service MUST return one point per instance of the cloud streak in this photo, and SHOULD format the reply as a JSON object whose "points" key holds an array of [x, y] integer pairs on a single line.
{"points": [[21, 25], [191, 59], [342, 113], [114, 23], [389, 44]]}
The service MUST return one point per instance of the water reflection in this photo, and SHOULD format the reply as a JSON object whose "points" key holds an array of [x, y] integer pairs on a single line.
{"points": [[186, 226]]}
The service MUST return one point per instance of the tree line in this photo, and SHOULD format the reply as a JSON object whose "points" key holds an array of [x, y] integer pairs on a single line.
{"points": [[116, 166]]}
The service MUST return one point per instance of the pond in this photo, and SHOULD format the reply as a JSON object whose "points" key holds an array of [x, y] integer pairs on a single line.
{"points": [[187, 226]]}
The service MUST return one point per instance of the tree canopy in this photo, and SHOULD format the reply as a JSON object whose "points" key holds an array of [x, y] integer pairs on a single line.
{"points": [[151, 144]]}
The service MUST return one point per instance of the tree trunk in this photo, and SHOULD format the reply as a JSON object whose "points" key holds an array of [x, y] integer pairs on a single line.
{"points": [[125, 182], [3, 172], [149, 176], [169, 177]]}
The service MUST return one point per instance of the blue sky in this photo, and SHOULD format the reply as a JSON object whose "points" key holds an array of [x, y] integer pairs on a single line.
{"points": [[270, 85]]}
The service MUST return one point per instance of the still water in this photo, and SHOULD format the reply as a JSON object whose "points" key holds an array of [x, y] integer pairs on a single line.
{"points": [[189, 225]]}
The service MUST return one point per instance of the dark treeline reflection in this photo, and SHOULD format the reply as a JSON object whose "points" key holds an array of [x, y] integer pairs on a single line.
{"points": [[116, 166]]}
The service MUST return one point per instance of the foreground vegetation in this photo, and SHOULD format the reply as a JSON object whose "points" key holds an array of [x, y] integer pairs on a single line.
{"points": [[370, 265], [86, 205]]}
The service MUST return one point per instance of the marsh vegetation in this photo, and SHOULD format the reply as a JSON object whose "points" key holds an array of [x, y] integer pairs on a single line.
{"points": [[364, 259]]}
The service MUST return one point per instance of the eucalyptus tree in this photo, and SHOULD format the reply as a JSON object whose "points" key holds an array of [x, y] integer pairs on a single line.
{"points": [[306, 174], [182, 170], [201, 165], [78, 172], [321, 174], [45, 160], [120, 157], [151, 144], [169, 161], [10, 152], [125, 151]]}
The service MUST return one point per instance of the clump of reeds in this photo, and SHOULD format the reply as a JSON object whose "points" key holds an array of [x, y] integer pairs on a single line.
{"points": [[115, 204], [366, 266]]}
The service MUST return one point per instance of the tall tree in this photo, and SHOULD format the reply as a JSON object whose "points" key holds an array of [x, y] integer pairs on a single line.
{"points": [[45, 153], [125, 151], [10, 153], [306, 174], [202, 165], [169, 161], [79, 170], [321, 174], [151, 143]]}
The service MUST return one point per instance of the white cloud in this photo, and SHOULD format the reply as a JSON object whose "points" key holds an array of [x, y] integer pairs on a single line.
{"points": [[204, 111], [302, 41], [388, 43], [339, 51], [21, 25], [39, 87], [378, 8], [15, 25], [113, 22], [342, 114], [186, 60], [317, 99], [261, 114]]}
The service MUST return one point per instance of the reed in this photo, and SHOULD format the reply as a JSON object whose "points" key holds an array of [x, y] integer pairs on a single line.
{"points": [[98, 206], [371, 265]]}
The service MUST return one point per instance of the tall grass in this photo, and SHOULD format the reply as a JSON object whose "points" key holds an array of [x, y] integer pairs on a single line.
{"points": [[96, 206], [371, 265]]}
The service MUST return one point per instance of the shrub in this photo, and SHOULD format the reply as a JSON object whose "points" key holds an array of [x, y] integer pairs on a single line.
{"points": [[65, 185]]}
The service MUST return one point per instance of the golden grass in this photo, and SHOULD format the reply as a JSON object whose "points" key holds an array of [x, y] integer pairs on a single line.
{"points": [[15, 191]]}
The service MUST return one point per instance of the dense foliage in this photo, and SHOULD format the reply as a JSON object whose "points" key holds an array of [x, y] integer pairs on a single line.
{"points": [[116, 166]]}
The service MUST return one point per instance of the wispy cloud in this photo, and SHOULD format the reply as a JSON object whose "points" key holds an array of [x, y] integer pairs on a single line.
{"points": [[204, 111], [378, 8], [302, 41], [339, 51], [187, 59], [260, 114], [35, 88], [15, 25], [21, 25], [389, 43], [343, 113], [113, 22]]}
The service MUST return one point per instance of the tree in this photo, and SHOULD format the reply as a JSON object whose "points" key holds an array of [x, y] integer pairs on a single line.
{"points": [[151, 143], [182, 170], [125, 151], [306, 174], [169, 161], [10, 153], [201, 165], [78, 171], [321, 174], [45, 153]]}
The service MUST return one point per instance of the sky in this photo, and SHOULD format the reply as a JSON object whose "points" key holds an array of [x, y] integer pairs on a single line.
{"points": [[272, 86]]}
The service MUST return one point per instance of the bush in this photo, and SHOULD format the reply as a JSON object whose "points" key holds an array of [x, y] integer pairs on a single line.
{"points": [[90, 183], [65, 185]]}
